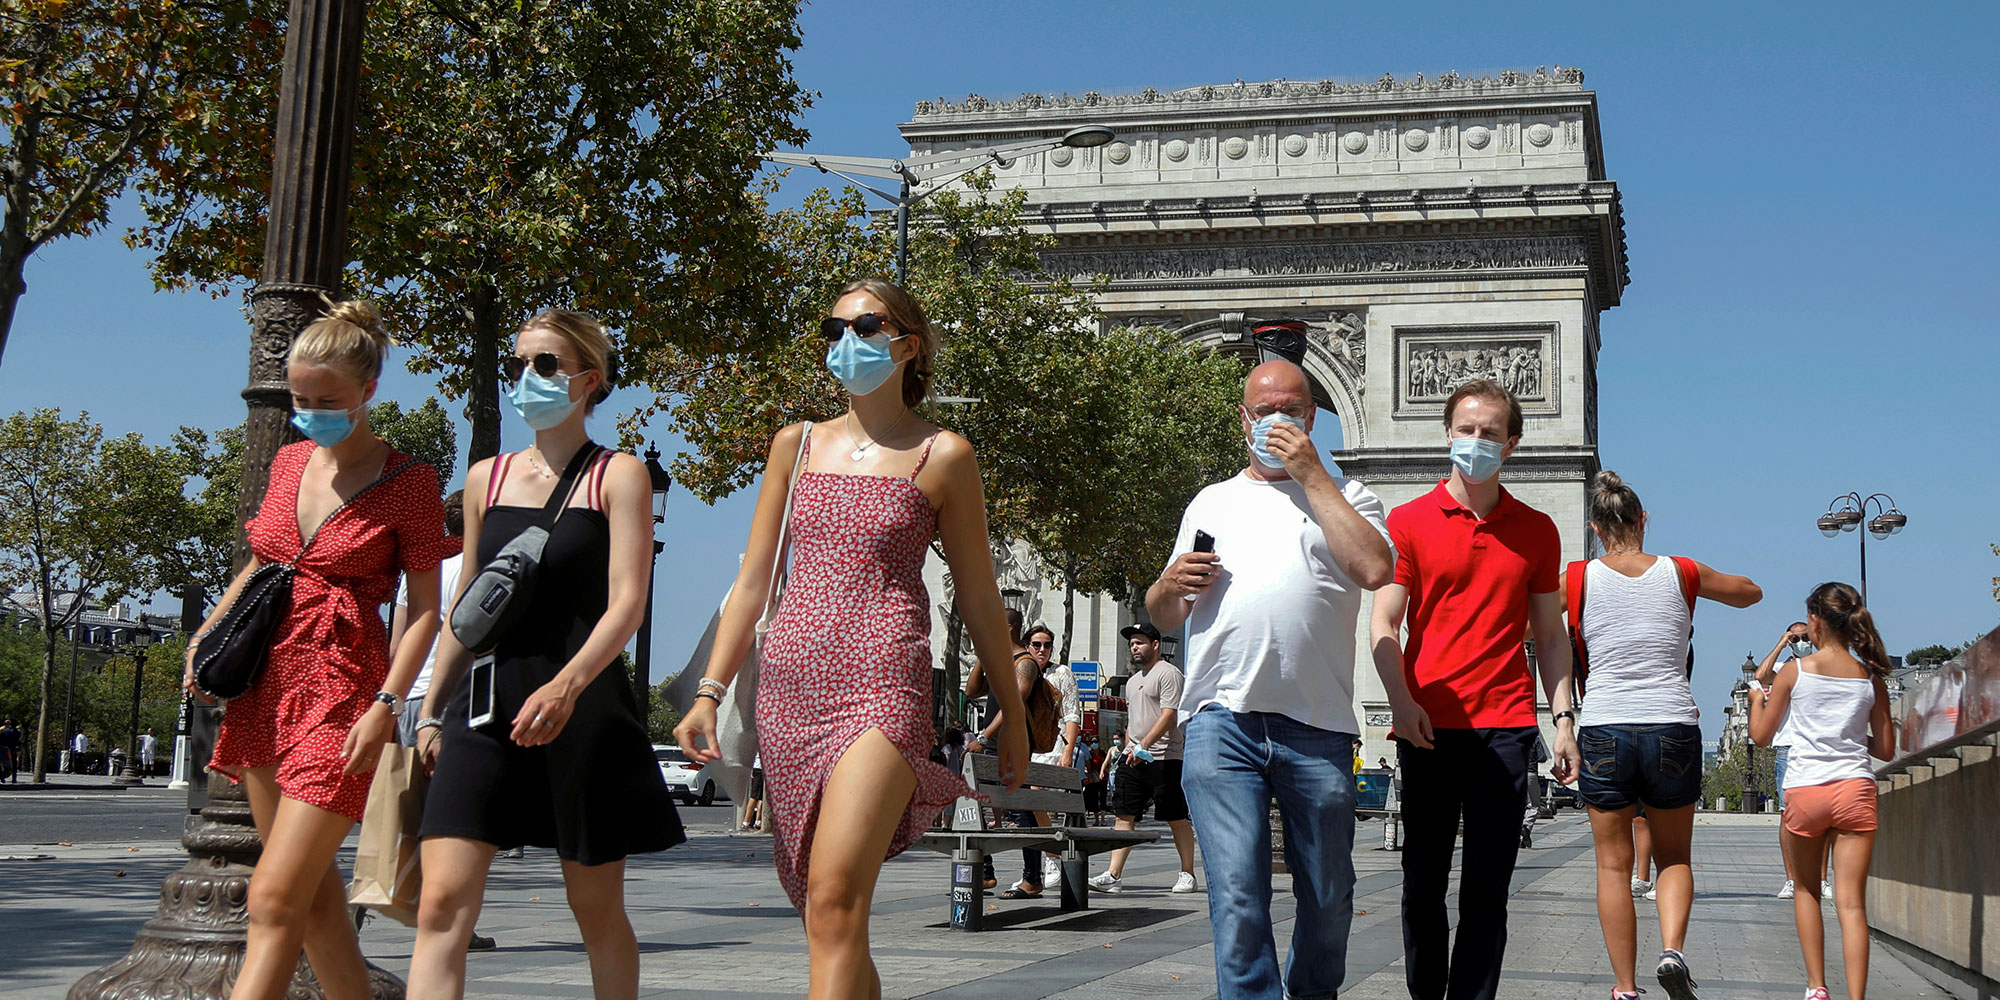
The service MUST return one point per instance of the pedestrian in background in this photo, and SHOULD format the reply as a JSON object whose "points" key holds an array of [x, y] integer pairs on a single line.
{"points": [[149, 749], [1475, 569], [1836, 705], [844, 675], [10, 751], [1640, 740], [1041, 871], [1794, 644], [349, 512], [411, 728], [564, 762], [1271, 608], [1149, 768]]}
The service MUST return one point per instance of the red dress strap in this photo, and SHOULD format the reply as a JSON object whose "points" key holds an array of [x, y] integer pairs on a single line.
{"points": [[499, 476], [596, 494], [926, 456]]}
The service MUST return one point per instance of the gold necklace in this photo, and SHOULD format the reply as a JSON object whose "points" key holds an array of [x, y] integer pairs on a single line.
{"points": [[861, 450]]}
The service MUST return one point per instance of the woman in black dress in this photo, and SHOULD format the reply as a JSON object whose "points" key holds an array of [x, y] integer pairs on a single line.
{"points": [[565, 763]]}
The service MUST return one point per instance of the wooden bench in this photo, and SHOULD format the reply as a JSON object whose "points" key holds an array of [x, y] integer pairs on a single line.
{"points": [[1049, 788]]}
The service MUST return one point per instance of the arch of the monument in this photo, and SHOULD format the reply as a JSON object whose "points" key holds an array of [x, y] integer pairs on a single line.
{"points": [[1427, 230]]}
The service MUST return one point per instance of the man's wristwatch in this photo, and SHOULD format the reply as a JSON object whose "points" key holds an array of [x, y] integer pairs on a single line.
{"points": [[394, 703], [1564, 714]]}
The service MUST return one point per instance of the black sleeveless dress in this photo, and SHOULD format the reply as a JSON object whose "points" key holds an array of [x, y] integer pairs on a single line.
{"points": [[594, 794]]}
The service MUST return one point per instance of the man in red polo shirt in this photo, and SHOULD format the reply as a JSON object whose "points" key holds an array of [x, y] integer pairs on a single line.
{"points": [[1475, 568]]}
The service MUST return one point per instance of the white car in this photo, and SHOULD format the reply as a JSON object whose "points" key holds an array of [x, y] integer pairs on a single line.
{"points": [[684, 778]]}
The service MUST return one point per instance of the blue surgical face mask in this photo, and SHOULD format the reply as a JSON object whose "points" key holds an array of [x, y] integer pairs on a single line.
{"points": [[861, 364], [541, 401], [1260, 434], [1477, 459], [1803, 647], [326, 428]]}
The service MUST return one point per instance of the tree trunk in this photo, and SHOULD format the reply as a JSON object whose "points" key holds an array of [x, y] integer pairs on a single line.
{"points": [[1069, 606], [42, 713], [15, 246], [12, 285], [482, 399]]}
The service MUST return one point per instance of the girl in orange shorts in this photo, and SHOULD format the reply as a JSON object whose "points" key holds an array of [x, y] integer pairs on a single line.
{"points": [[1838, 708]]}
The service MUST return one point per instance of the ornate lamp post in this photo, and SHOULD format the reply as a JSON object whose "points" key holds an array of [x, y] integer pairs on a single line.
{"points": [[662, 483], [934, 169], [143, 640], [1844, 513]]}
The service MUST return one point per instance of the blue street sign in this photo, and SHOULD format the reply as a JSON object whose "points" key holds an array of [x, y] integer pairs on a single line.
{"points": [[1085, 673]]}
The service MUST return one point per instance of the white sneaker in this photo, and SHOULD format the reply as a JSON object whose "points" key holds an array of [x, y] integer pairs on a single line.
{"points": [[1107, 882], [1787, 891], [1051, 873], [1184, 882], [1825, 889], [1639, 886], [1652, 892]]}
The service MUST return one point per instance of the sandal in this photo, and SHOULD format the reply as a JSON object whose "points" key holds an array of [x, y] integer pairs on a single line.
{"points": [[1017, 892]]}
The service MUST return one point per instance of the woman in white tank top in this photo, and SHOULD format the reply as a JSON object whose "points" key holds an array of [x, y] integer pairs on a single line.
{"points": [[1834, 707], [1639, 740]]}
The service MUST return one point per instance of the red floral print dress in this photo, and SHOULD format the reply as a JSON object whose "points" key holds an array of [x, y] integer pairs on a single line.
{"points": [[849, 651], [331, 653]]}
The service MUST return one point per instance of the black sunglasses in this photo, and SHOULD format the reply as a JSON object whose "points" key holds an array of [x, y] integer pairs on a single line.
{"points": [[1040, 645], [833, 328], [546, 365]]}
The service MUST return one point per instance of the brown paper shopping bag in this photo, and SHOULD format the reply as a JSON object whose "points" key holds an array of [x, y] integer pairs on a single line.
{"points": [[386, 872]]}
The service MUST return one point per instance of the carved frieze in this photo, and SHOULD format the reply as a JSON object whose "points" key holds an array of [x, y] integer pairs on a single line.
{"points": [[1271, 93], [1471, 254], [1433, 361]]}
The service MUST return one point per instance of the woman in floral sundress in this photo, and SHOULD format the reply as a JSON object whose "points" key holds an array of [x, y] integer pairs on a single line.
{"points": [[843, 699]]}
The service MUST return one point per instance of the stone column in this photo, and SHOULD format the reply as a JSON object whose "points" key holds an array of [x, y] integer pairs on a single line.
{"points": [[193, 946]]}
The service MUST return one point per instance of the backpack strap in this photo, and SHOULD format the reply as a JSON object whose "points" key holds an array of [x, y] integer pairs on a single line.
{"points": [[1573, 604], [1690, 586], [1690, 580]]}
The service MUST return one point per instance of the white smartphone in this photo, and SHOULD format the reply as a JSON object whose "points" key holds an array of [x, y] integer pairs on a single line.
{"points": [[479, 710]]}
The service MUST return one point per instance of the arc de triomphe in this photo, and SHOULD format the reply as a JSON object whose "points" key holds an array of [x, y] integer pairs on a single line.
{"points": [[1428, 231]]}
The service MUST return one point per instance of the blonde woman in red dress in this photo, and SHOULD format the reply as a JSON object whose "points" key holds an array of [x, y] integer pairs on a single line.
{"points": [[843, 696], [351, 513]]}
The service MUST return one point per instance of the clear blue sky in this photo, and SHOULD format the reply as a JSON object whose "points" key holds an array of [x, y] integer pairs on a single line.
{"points": [[1808, 200]]}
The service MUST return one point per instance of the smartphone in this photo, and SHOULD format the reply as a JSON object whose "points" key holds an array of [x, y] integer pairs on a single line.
{"points": [[479, 709], [1203, 541]]}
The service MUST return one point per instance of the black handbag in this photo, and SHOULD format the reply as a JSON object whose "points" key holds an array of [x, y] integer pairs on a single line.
{"points": [[500, 593], [230, 657]]}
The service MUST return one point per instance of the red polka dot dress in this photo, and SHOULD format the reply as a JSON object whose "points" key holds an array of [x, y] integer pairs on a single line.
{"points": [[331, 653], [849, 650]]}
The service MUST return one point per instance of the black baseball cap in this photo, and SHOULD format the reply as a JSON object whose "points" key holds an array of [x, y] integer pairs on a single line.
{"points": [[1143, 628]]}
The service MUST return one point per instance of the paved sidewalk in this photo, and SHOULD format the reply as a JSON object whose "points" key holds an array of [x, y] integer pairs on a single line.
{"points": [[712, 922]]}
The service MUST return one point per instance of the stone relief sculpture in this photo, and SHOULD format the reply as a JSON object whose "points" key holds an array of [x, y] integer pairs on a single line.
{"points": [[1344, 337], [1325, 258], [1274, 91], [1436, 368]]}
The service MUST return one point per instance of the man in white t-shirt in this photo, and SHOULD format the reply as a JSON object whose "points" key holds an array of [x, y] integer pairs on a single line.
{"points": [[1268, 706]]}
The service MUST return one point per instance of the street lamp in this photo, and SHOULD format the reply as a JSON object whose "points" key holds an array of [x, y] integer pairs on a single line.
{"points": [[933, 169], [662, 482], [1846, 512], [143, 639]]}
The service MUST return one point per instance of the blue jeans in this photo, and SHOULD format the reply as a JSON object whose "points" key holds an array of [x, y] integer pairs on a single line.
{"points": [[1235, 764]]}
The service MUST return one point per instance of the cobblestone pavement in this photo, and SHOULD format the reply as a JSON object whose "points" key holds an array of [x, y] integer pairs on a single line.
{"points": [[712, 922]]}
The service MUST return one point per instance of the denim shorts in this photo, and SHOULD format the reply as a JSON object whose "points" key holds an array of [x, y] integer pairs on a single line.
{"points": [[1657, 765]]}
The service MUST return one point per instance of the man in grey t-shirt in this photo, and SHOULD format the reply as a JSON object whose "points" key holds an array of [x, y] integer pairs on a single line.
{"points": [[1151, 773]]}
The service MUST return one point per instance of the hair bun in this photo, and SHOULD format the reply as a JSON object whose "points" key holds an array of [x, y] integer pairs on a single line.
{"points": [[1609, 480], [363, 315]]}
